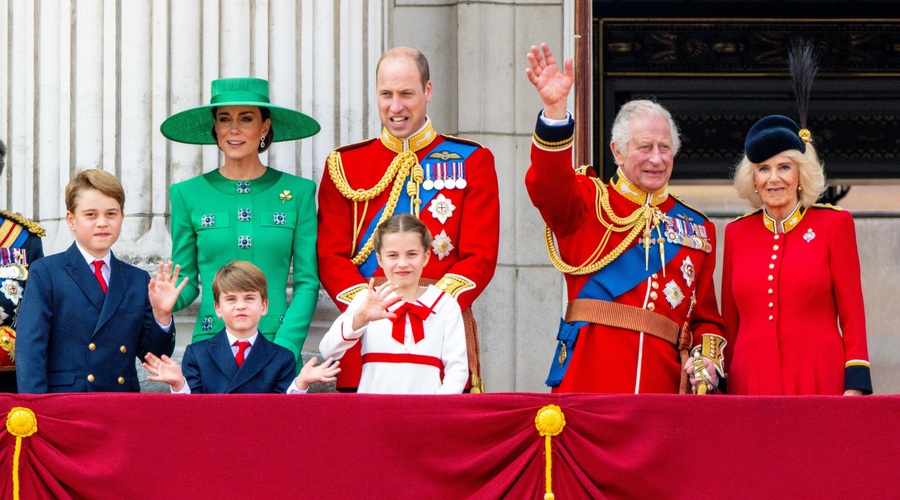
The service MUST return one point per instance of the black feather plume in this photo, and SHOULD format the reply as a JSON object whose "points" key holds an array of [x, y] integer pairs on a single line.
{"points": [[804, 65]]}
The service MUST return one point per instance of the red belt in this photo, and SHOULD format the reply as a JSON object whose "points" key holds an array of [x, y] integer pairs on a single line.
{"points": [[416, 359]]}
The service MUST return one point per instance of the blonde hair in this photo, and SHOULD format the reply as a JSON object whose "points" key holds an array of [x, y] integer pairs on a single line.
{"points": [[812, 177]]}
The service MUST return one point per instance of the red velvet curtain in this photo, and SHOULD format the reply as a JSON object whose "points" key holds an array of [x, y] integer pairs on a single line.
{"points": [[481, 446]]}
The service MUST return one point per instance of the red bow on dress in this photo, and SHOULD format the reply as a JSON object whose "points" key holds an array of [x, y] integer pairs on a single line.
{"points": [[417, 315]]}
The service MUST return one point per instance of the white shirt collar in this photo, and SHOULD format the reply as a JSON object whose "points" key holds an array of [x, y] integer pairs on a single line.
{"points": [[90, 258], [232, 339]]}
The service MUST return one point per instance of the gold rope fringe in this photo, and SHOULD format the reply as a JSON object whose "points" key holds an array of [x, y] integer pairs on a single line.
{"points": [[21, 423], [549, 422]]}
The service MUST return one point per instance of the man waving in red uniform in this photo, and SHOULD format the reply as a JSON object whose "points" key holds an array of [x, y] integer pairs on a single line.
{"points": [[638, 262], [449, 183]]}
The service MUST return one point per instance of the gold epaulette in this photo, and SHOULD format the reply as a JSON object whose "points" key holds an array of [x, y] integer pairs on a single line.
{"points": [[748, 214], [829, 205], [459, 139], [692, 208], [582, 170], [32, 226], [348, 147], [454, 284]]}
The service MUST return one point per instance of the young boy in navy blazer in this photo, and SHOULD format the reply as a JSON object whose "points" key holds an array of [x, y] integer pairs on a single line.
{"points": [[238, 359], [86, 315]]}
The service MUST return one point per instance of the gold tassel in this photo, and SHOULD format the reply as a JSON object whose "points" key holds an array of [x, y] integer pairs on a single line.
{"points": [[21, 423], [549, 421]]}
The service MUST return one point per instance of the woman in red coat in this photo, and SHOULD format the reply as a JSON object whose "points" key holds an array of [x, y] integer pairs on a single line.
{"points": [[791, 294]]}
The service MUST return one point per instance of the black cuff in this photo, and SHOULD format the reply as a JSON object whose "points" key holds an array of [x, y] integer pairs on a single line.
{"points": [[859, 378], [554, 137]]}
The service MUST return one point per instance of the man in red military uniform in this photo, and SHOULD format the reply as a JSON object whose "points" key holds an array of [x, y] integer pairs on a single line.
{"points": [[449, 183], [638, 262]]}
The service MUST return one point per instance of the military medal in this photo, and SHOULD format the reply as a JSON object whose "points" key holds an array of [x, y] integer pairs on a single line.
{"points": [[451, 178], [441, 245], [441, 208], [439, 169], [461, 176], [428, 185]]}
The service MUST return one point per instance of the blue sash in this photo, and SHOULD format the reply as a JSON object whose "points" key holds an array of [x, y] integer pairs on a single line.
{"points": [[367, 268], [618, 277]]}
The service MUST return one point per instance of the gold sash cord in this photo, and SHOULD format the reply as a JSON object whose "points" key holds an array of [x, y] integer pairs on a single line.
{"points": [[21, 423], [473, 352], [549, 421]]}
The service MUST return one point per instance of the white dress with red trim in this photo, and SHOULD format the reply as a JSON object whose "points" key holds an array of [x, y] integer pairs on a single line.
{"points": [[431, 359]]}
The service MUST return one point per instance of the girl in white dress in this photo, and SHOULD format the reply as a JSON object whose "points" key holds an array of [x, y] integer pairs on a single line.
{"points": [[413, 340]]}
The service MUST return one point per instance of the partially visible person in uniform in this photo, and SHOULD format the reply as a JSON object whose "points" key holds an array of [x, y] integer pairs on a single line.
{"points": [[449, 183], [791, 292], [638, 262], [244, 210], [86, 315], [20, 246]]}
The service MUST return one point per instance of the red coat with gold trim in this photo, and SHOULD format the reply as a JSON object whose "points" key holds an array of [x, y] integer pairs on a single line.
{"points": [[609, 359], [468, 238], [793, 305]]}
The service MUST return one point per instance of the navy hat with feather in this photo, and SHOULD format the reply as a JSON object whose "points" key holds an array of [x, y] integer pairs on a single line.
{"points": [[776, 133], [770, 136]]}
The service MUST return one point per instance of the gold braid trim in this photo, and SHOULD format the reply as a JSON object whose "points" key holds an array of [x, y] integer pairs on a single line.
{"points": [[635, 223], [32, 226], [398, 170]]}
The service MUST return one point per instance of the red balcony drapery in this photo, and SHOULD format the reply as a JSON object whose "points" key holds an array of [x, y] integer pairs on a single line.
{"points": [[481, 446]]}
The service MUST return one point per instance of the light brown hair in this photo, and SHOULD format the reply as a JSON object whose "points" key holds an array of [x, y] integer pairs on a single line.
{"points": [[410, 53], [402, 223], [98, 180], [239, 276]]}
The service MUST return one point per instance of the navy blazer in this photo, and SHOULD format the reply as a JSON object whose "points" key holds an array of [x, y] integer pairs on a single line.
{"points": [[74, 338], [209, 367]]}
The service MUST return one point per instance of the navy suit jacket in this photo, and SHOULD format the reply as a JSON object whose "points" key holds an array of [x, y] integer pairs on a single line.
{"points": [[74, 338], [209, 367]]}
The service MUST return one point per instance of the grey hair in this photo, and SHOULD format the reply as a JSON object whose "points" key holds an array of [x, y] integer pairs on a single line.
{"points": [[621, 130]]}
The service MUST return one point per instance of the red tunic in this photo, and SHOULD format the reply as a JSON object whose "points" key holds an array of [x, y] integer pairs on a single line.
{"points": [[473, 227], [784, 296], [609, 359]]}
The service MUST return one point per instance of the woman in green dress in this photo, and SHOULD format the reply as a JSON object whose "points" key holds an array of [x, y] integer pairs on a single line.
{"points": [[245, 210]]}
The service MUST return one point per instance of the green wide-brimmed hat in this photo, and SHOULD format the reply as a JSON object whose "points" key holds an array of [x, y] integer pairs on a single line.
{"points": [[194, 126]]}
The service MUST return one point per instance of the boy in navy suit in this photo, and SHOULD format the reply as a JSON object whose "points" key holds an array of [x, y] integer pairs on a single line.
{"points": [[238, 359], [86, 315]]}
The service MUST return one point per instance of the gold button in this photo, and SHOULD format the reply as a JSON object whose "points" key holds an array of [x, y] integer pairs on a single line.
{"points": [[771, 318], [654, 285], [770, 291], [770, 278], [775, 247], [123, 349], [90, 378], [654, 276], [92, 346], [771, 266], [771, 305], [774, 256], [651, 306], [653, 295], [776, 236], [443, 286], [121, 380]]}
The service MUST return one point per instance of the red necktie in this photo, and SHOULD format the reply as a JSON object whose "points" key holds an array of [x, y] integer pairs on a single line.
{"points": [[242, 346], [417, 314], [98, 266]]}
